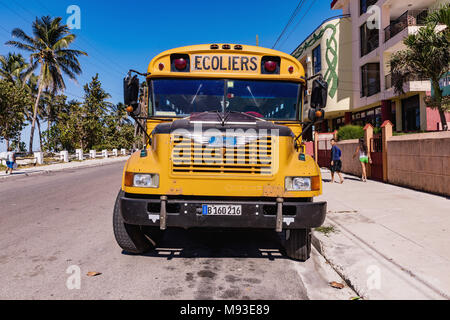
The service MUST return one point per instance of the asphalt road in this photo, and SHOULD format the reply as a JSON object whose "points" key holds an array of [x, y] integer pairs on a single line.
{"points": [[62, 221]]}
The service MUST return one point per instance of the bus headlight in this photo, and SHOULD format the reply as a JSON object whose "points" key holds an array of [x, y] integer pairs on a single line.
{"points": [[302, 183], [298, 184], [142, 180]]}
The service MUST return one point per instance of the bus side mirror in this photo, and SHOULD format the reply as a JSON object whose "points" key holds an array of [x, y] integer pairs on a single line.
{"points": [[131, 95], [319, 94]]}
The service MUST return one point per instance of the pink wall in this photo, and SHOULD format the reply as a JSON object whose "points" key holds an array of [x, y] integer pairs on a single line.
{"points": [[420, 161], [433, 119], [349, 165]]}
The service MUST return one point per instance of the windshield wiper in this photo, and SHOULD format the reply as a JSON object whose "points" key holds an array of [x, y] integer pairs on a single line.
{"points": [[199, 87], [253, 97]]}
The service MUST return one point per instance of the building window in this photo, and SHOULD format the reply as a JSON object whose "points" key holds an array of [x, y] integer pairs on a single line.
{"points": [[317, 60], [369, 39], [394, 116], [364, 5], [338, 122], [372, 116], [411, 113], [370, 79]]}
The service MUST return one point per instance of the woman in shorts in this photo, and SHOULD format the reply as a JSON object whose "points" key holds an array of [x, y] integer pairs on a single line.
{"points": [[364, 158]]}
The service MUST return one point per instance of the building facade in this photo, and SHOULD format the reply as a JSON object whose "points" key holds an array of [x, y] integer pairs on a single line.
{"points": [[374, 34], [328, 52]]}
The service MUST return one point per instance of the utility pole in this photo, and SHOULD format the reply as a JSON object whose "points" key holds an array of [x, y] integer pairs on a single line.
{"points": [[257, 40]]}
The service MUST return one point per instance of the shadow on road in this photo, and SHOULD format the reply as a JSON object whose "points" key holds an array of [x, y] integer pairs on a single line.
{"points": [[195, 243]]}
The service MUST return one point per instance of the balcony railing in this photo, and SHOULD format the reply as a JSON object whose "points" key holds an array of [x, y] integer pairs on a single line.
{"points": [[407, 19], [389, 81]]}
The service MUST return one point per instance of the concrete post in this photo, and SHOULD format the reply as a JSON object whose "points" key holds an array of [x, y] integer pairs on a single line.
{"points": [[123, 152], [115, 153], [105, 153], [316, 145], [368, 135], [79, 154], [39, 157], [92, 154], [64, 156], [386, 134]]}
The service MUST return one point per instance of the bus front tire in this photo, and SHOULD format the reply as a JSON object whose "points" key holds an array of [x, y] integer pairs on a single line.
{"points": [[130, 238], [297, 243]]}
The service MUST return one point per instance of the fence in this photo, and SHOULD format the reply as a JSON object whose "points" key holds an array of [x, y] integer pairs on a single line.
{"points": [[64, 156], [419, 161]]}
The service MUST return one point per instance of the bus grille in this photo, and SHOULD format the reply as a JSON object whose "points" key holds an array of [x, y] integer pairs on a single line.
{"points": [[253, 158]]}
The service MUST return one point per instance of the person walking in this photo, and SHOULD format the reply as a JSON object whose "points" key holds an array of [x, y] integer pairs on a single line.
{"points": [[10, 160], [364, 158], [336, 163]]}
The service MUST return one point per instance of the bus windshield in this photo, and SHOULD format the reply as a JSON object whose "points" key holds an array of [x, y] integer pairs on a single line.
{"points": [[263, 99]]}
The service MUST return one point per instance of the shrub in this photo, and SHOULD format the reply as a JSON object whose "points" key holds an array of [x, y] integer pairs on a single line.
{"points": [[350, 132]]}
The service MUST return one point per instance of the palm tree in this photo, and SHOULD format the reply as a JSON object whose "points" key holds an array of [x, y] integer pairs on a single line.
{"points": [[440, 16], [49, 50], [13, 68], [427, 56]]}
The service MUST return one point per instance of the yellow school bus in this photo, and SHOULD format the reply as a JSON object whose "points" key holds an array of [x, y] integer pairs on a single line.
{"points": [[224, 125]]}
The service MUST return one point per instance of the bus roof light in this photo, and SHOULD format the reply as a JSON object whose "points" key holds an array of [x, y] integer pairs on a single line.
{"points": [[291, 69], [214, 46], [161, 66], [226, 47], [180, 64], [270, 66], [238, 47]]}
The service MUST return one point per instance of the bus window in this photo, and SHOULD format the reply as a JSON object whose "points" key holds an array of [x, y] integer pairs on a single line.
{"points": [[173, 97], [263, 99]]}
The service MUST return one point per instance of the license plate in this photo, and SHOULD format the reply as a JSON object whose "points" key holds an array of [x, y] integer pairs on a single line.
{"points": [[221, 210]]}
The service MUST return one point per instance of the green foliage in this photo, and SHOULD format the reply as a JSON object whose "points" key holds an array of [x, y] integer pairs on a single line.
{"points": [[13, 100], [18, 145], [49, 50], [350, 132], [94, 123], [427, 56], [48, 47]]}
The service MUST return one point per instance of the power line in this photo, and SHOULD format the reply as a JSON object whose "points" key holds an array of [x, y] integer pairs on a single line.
{"points": [[25, 9], [301, 19], [15, 12], [8, 32], [293, 15], [106, 68]]}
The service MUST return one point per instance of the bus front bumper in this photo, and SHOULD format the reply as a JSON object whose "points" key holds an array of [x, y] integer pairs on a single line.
{"points": [[260, 213]]}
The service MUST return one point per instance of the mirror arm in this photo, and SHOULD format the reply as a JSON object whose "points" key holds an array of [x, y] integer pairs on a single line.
{"points": [[315, 76], [149, 139], [309, 125], [139, 73]]}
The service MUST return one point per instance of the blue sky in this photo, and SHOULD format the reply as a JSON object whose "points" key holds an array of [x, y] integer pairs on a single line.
{"points": [[122, 35]]}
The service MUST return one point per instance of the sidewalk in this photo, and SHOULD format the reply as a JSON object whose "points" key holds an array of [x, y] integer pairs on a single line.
{"points": [[388, 242], [61, 166]]}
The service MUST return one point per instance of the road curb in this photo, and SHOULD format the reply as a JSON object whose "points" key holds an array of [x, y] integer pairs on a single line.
{"points": [[318, 245], [46, 171]]}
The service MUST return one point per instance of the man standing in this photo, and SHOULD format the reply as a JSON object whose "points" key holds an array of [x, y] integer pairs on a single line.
{"points": [[10, 160], [336, 164]]}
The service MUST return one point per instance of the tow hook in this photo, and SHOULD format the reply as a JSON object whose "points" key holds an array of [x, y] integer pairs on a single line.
{"points": [[163, 213], [279, 225]]}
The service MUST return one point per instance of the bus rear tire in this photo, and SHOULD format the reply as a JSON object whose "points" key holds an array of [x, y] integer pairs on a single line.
{"points": [[297, 243], [130, 238]]}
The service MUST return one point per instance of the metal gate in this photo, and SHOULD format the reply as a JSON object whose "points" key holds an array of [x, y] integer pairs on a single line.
{"points": [[376, 148], [324, 149]]}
